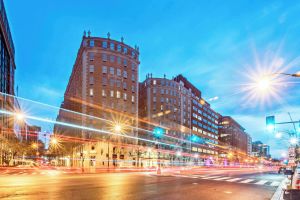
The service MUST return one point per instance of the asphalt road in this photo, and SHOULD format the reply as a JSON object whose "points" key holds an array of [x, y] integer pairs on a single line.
{"points": [[204, 185]]}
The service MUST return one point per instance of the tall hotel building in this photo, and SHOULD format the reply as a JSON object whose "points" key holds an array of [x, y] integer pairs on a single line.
{"points": [[103, 87], [189, 122], [7, 71]]}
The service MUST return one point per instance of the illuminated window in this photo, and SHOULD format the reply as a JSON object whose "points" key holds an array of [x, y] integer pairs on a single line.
{"points": [[91, 92], [154, 82], [132, 99], [111, 93], [125, 96], [103, 93], [118, 94]]}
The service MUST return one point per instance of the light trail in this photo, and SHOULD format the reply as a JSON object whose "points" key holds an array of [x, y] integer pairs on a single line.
{"points": [[86, 128], [98, 118]]}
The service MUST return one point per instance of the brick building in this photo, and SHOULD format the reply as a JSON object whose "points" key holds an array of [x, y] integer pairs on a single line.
{"points": [[103, 87], [174, 104]]}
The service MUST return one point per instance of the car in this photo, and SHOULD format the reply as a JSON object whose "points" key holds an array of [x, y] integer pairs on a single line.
{"points": [[281, 170], [296, 179]]}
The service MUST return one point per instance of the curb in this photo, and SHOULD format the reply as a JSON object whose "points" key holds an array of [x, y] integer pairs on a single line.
{"points": [[278, 195]]}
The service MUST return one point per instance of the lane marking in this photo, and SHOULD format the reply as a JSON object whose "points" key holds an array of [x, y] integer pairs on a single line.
{"points": [[275, 183], [223, 178], [247, 181], [211, 177], [262, 182], [234, 179]]}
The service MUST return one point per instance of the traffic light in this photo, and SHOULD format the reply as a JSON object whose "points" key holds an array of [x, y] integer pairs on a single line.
{"points": [[270, 122], [158, 132]]}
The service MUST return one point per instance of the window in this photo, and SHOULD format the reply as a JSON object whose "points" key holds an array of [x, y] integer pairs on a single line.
{"points": [[132, 77], [162, 99], [132, 66], [92, 68], [112, 70], [154, 99], [132, 99], [104, 81], [112, 46], [104, 57], [132, 88], [119, 60], [118, 72], [91, 80], [125, 62], [111, 82], [125, 50], [118, 83], [104, 69], [104, 44], [112, 59], [111, 93], [162, 91], [92, 43], [118, 94], [91, 92], [91, 56], [103, 93], [125, 85], [125, 96], [154, 90], [154, 82], [133, 54], [119, 48], [125, 74]]}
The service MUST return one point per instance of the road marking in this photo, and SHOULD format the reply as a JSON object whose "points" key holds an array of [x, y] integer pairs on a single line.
{"points": [[211, 177], [222, 178], [275, 183], [261, 182], [247, 181], [234, 179]]}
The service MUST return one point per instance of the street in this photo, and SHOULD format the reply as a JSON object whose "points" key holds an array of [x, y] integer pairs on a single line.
{"points": [[203, 184]]}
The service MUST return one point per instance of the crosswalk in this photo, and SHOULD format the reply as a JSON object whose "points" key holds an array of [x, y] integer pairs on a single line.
{"points": [[229, 179]]}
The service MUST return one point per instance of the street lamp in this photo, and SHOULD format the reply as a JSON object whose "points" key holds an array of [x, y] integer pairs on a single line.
{"points": [[20, 116]]}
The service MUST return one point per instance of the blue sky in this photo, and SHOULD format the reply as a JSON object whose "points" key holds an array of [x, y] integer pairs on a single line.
{"points": [[210, 43]]}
